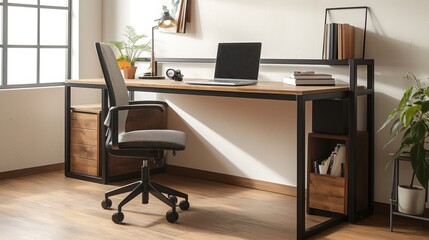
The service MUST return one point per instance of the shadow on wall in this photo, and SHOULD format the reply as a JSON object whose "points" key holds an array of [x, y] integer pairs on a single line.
{"points": [[237, 136]]}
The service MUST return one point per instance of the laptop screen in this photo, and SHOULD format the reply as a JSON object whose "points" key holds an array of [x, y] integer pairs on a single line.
{"points": [[238, 60]]}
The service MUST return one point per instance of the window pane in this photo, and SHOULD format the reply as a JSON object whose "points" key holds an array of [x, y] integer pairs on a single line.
{"points": [[22, 26], [1, 24], [21, 66], [53, 27], [24, 1], [53, 65], [60, 3]]}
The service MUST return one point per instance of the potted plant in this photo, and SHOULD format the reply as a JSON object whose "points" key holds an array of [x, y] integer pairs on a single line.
{"points": [[411, 117], [129, 50]]}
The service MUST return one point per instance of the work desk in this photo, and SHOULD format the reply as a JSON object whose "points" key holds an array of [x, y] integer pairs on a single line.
{"points": [[264, 90], [270, 88]]}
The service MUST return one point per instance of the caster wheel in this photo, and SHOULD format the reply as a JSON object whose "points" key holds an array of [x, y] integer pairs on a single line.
{"points": [[172, 199], [172, 216], [106, 203], [184, 205], [118, 217]]}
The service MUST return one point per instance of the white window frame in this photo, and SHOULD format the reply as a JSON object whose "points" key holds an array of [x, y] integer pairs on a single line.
{"points": [[5, 46]]}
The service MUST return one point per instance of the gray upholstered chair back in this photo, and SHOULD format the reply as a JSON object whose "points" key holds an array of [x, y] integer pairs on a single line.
{"points": [[118, 93]]}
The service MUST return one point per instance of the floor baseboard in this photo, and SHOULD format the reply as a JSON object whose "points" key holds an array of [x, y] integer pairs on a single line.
{"points": [[230, 179], [31, 171]]}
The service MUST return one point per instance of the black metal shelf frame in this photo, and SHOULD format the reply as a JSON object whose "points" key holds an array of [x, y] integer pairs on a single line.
{"points": [[302, 232], [394, 194], [327, 10]]}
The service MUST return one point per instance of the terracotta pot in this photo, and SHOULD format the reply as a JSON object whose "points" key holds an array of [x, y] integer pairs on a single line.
{"points": [[129, 73]]}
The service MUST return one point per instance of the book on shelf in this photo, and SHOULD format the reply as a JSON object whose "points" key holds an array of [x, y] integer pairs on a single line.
{"points": [[334, 164], [338, 41], [309, 82], [348, 41], [314, 76], [323, 166], [339, 160]]}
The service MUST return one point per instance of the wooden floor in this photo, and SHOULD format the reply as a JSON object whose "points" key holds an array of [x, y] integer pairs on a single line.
{"points": [[51, 206]]}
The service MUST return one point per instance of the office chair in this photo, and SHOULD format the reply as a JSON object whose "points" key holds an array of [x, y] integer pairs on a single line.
{"points": [[146, 144]]}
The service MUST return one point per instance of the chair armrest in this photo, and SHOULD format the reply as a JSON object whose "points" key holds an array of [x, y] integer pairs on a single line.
{"points": [[136, 106], [149, 102], [111, 121]]}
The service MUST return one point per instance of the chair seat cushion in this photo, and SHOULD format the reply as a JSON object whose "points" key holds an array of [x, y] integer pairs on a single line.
{"points": [[153, 139]]}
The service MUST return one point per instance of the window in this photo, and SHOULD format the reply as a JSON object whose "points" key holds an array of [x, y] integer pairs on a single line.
{"points": [[34, 42]]}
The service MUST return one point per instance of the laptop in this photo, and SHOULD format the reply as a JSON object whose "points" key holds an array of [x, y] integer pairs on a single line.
{"points": [[237, 64]]}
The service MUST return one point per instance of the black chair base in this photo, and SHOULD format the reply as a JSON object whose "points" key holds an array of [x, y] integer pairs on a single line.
{"points": [[144, 187]]}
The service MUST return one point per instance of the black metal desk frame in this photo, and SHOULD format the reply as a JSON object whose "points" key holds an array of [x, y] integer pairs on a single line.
{"points": [[302, 233]]}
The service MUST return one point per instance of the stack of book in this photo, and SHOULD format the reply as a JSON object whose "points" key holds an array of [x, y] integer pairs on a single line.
{"points": [[334, 164], [309, 78], [338, 41]]}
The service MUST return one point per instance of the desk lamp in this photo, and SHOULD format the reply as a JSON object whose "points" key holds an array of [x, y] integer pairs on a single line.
{"points": [[166, 21]]}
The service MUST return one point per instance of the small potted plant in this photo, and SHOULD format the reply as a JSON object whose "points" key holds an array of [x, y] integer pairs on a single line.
{"points": [[411, 118], [129, 50]]}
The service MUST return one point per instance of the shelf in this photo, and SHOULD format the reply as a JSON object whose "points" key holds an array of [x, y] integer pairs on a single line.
{"points": [[330, 193], [270, 61]]}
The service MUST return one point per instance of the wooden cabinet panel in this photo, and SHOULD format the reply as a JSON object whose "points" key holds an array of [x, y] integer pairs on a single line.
{"points": [[84, 151], [327, 193], [84, 136], [84, 120], [84, 165]]}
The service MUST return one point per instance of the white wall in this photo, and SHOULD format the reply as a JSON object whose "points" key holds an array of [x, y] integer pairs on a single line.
{"points": [[32, 120], [264, 148]]}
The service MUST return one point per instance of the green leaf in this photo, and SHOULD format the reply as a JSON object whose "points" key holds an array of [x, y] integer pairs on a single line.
{"points": [[425, 106], [418, 132], [419, 163], [410, 114], [395, 127], [391, 116], [405, 98], [131, 48], [427, 92]]}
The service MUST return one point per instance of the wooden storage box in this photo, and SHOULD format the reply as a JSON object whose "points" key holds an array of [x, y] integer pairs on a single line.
{"points": [[329, 193], [84, 138]]}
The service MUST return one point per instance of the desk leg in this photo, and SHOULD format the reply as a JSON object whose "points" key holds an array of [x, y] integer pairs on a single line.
{"points": [[393, 195], [300, 184], [67, 115], [103, 154]]}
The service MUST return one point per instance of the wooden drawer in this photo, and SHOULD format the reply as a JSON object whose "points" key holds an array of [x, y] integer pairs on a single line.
{"points": [[84, 151], [84, 136], [84, 120], [84, 166], [327, 193]]}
